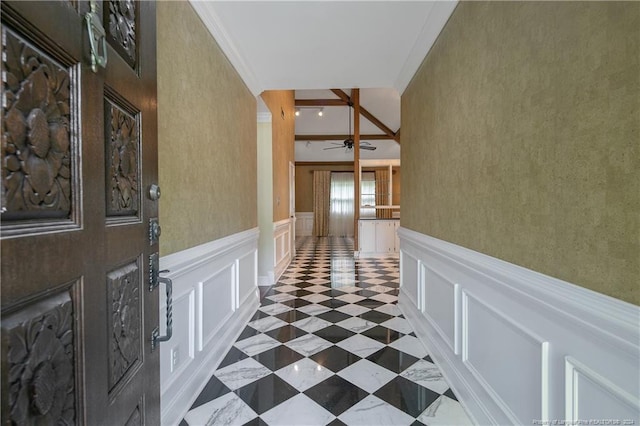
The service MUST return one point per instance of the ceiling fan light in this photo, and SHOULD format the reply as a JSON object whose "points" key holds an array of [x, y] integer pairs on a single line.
{"points": [[320, 112], [297, 113]]}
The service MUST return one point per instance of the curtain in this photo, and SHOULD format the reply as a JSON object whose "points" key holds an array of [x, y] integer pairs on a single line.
{"points": [[321, 201], [342, 205], [382, 194]]}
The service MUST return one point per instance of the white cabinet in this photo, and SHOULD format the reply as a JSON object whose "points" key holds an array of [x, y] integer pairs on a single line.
{"points": [[396, 225], [378, 237], [367, 235], [385, 240]]}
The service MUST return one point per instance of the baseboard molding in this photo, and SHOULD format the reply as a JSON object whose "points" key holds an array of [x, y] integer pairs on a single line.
{"points": [[215, 294], [518, 346]]}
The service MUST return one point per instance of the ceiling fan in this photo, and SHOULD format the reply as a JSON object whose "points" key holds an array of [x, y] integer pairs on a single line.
{"points": [[348, 143]]}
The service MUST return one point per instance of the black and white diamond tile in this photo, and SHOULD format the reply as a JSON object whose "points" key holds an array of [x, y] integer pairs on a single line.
{"points": [[328, 346]]}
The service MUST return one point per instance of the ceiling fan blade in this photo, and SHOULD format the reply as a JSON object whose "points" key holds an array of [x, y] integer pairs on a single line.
{"points": [[368, 148], [333, 147], [365, 142], [337, 143]]}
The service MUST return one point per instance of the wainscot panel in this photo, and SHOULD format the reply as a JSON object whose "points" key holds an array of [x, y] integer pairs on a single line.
{"points": [[517, 346], [304, 224], [282, 231], [215, 288]]}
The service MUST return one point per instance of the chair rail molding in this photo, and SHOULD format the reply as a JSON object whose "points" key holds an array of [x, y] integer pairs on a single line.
{"points": [[215, 293], [518, 346]]}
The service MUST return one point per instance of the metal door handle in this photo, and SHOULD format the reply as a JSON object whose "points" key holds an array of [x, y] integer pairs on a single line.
{"points": [[97, 38], [155, 336]]}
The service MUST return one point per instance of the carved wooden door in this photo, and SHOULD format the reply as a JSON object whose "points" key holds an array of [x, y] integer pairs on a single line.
{"points": [[78, 158]]}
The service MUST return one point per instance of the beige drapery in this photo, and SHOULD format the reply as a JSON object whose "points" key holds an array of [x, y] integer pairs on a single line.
{"points": [[382, 194], [321, 202]]}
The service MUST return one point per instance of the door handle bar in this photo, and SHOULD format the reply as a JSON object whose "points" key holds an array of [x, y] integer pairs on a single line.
{"points": [[155, 336]]}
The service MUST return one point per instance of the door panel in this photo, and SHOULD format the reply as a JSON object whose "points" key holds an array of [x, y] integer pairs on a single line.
{"points": [[78, 150]]}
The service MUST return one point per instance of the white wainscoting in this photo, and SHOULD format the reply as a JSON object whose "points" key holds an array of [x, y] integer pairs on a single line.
{"points": [[304, 224], [282, 249], [214, 294], [517, 346]]}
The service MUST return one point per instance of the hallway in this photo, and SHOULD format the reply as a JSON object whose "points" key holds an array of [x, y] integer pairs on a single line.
{"points": [[328, 346]]}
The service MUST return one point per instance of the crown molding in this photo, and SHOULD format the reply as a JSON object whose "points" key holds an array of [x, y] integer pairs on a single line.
{"points": [[207, 14], [440, 13]]}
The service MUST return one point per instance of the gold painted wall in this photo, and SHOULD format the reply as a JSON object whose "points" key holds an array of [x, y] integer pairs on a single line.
{"points": [[281, 105], [304, 182], [521, 139], [206, 136]]}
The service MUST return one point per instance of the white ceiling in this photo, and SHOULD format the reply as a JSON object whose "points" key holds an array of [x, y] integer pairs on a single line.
{"points": [[382, 103], [311, 46]]}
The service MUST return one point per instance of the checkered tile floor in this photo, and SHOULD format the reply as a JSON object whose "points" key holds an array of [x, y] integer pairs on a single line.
{"points": [[328, 346]]}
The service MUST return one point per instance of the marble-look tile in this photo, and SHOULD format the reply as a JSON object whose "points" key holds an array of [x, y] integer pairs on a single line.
{"points": [[308, 345], [445, 412], [360, 345], [287, 288], [317, 288], [287, 281], [343, 280], [234, 355], [371, 274], [303, 374], [426, 374], [312, 324], [265, 393], [315, 298], [382, 334], [392, 359], [334, 316], [352, 309], [276, 308], [389, 309], [367, 375], [407, 396], [278, 357], [356, 324], [375, 316], [350, 298], [267, 323], [299, 410], [256, 344], [379, 288], [410, 345], [241, 373], [336, 394], [398, 324], [318, 281], [385, 298], [313, 309], [346, 288], [281, 297], [226, 410], [334, 333], [374, 281], [373, 411], [335, 358]]}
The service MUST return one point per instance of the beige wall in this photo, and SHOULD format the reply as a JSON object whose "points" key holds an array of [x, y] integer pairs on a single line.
{"points": [[281, 105], [521, 139], [304, 182], [206, 135]]}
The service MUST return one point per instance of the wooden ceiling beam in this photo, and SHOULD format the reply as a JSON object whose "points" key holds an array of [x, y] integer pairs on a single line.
{"points": [[319, 102], [313, 138], [366, 114]]}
